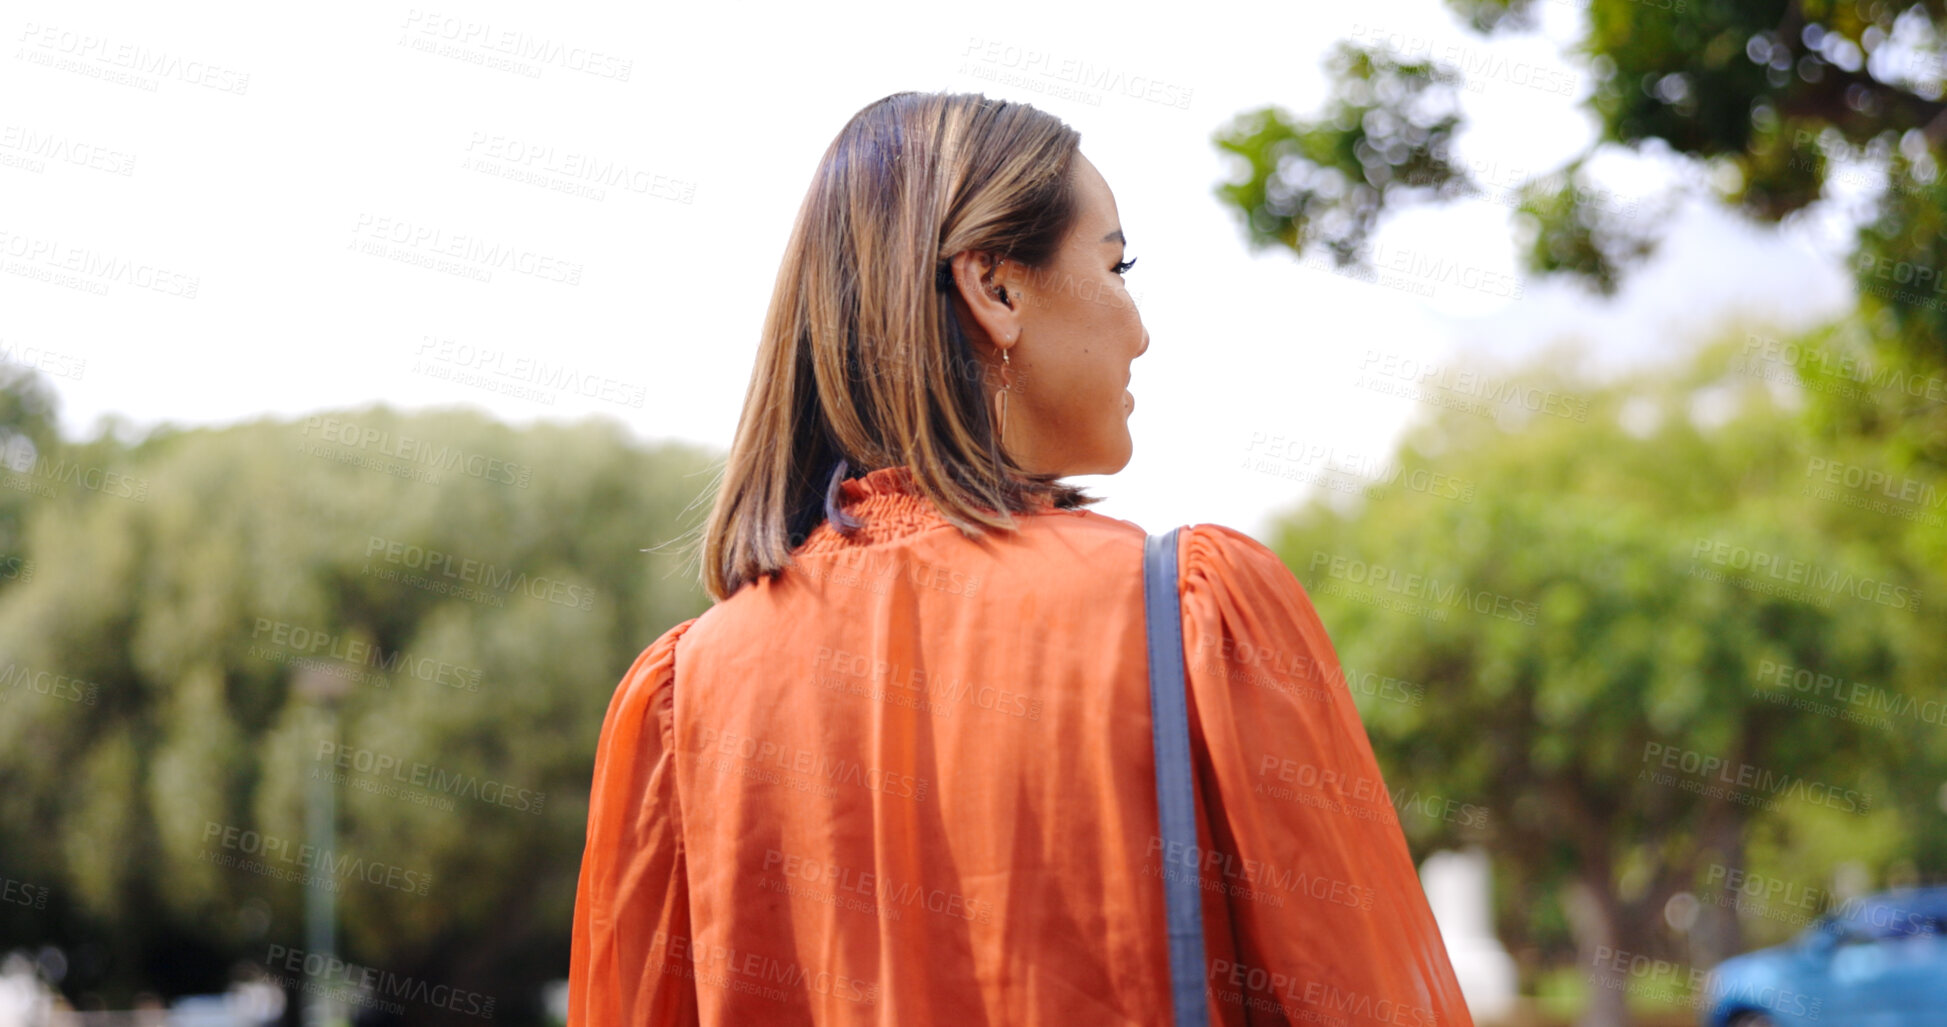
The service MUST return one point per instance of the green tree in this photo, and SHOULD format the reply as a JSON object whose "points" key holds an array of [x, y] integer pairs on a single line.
{"points": [[1769, 99], [28, 435], [477, 589], [1584, 598]]}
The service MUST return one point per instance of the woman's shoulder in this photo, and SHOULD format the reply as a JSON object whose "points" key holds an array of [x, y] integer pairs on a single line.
{"points": [[1203, 543], [656, 663], [1211, 558], [1220, 545]]}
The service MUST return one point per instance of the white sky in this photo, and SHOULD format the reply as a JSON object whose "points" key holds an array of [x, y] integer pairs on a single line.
{"points": [[259, 195]]}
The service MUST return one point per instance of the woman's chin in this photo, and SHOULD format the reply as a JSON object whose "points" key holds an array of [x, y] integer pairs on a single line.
{"points": [[1120, 459], [1111, 457]]}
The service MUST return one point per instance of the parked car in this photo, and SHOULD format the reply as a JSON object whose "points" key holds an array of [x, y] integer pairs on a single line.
{"points": [[1877, 961]]}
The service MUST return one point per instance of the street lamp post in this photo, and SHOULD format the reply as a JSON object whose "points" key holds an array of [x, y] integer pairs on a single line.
{"points": [[322, 690]]}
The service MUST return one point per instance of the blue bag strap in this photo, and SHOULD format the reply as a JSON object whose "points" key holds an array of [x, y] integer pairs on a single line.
{"points": [[1175, 794]]}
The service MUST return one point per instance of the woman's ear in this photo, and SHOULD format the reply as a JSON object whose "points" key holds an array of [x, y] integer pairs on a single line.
{"points": [[982, 280]]}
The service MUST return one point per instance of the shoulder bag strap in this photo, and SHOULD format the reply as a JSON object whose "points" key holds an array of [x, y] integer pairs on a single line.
{"points": [[1175, 795]]}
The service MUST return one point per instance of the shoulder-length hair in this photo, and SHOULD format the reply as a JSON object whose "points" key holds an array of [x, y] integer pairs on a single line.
{"points": [[863, 363]]}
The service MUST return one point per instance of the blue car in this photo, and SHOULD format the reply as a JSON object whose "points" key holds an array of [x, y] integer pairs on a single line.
{"points": [[1877, 961]]}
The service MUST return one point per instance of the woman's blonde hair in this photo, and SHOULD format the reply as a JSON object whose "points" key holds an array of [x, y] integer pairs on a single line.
{"points": [[863, 363]]}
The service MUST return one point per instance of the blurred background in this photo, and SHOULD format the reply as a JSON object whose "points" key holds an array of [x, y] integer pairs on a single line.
{"points": [[362, 375]]}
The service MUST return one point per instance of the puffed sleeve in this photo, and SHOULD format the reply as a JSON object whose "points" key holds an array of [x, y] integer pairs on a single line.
{"points": [[1327, 921], [628, 964]]}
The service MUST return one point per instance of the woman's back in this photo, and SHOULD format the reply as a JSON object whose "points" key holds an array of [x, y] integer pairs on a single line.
{"points": [[910, 781]]}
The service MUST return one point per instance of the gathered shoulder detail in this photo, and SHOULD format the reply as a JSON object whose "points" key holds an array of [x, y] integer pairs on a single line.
{"points": [[646, 689], [1248, 586]]}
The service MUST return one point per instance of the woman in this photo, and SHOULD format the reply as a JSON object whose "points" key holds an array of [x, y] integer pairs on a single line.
{"points": [[901, 772]]}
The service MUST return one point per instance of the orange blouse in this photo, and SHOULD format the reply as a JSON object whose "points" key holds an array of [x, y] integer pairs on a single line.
{"points": [[909, 780]]}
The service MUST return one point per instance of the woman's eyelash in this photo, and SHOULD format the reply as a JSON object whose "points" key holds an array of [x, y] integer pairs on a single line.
{"points": [[1125, 265]]}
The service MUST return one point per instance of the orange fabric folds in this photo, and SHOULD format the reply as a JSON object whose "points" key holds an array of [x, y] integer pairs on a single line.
{"points": [[909, 780]]}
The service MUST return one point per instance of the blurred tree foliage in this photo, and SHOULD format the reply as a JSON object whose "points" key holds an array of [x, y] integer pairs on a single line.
{"points": [[27, 435], [181, 583], [1771, 100], [1620, 532]]}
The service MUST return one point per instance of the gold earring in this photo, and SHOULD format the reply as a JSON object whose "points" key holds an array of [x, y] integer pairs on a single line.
{"points": [[1007, 364]]}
